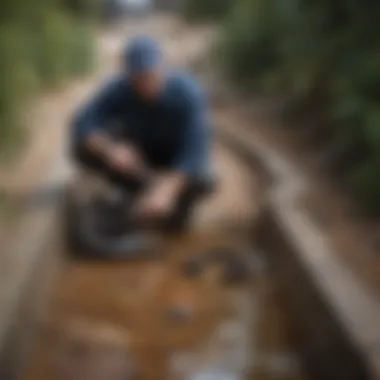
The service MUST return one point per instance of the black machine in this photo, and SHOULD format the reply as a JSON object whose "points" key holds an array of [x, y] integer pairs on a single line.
{"points": [[99, 222]]}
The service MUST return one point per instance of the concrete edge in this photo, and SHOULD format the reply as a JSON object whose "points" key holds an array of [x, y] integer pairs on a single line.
{"points": [[336, 315], [31, 266]]}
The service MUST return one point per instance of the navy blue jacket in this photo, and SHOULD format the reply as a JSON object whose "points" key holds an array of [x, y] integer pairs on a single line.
{"points": [[172, 132]]}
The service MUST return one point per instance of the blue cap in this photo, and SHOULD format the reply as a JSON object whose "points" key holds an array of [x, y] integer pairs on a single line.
{"points": [[142, 55]]}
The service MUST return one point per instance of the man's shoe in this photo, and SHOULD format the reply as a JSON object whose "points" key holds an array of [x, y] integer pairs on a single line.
{"points": [[179, 223]]}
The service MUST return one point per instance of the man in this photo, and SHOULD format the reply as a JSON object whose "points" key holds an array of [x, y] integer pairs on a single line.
{"points": [[163, 150]]}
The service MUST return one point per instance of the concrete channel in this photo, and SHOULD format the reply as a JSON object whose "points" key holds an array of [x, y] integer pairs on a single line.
{"points": [[293, 319], [282, 325], [335, 316]]}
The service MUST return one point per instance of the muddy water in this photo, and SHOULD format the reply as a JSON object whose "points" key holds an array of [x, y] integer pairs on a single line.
{"points": [[114, 321]]}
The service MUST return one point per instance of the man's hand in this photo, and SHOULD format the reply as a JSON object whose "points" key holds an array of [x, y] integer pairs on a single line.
{"points": [[154, 204], [98, 143], [119, 156], [124, 158], [160, 200]]}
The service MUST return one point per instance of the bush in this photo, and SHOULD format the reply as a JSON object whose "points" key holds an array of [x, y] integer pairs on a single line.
{"points": [[63, 48], [82, 56], [84, 9], [207, 9], [249, 46], [18, 81], [326, 56], [41, 44], [52, 47], [364, 179]]}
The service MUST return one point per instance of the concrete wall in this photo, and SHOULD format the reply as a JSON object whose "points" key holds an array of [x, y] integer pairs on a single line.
{"points": [[28, 268], [328, 305]]}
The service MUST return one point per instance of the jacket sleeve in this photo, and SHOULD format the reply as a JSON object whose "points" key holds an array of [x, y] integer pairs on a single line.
{"points": [[194, 150], [96, 113]]}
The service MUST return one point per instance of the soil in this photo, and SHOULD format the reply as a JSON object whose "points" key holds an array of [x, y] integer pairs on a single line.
{"points": [[107, 319]]}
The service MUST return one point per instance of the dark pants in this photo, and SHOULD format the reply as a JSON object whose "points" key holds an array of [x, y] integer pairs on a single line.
{"points": [[195, 190]]}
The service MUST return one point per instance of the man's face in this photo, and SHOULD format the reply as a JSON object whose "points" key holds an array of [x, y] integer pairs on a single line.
{"points": [[149, 84]]}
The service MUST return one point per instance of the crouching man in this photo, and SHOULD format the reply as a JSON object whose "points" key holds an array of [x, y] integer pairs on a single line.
{"points": [[162, 145]]}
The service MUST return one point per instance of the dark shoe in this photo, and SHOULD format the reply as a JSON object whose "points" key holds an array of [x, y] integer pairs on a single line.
{"points": [[180, 222]]}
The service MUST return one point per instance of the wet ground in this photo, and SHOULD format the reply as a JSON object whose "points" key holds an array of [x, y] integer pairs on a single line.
{"points": [[106, 321]]}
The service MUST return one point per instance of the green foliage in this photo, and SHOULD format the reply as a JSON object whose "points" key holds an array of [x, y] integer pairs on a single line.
{"points": [[18, 80], [207, 9], [83, 9], [324, 54], [66, 48], [249, 47], [53, 56], [364, 179], [41, 45], [82, 57]]}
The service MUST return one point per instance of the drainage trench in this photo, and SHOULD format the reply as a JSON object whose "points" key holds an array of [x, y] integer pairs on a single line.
{"points": [[105, 320], [111, 321], [91, 320]]}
